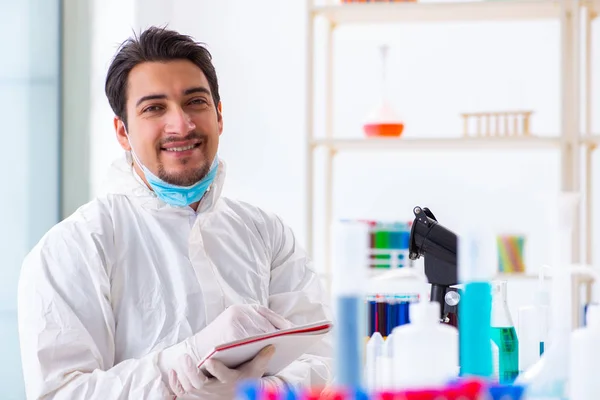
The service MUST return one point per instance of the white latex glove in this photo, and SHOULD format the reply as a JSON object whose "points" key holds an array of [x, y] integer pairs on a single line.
{"points": [[275, 319], [189, 383], [236, 322]]}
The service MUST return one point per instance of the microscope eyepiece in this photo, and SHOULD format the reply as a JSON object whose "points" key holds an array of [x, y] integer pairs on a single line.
{"points": [[438, 246]]}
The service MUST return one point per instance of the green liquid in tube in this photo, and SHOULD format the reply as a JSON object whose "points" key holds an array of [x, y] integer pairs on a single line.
{"points": [[505, 338]]}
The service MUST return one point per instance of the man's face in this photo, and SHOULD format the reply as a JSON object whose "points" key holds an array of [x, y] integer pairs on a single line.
{"points": [[172, 121]]}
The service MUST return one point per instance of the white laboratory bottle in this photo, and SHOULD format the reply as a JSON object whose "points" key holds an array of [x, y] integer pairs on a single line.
{"points": [[533, 325], [425, 351], [385, 373], [387, 365], [547, 378], [374, 352], [584, 383]]}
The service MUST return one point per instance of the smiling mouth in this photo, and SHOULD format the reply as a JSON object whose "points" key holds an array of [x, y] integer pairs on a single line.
{"points": [[181, 148]]}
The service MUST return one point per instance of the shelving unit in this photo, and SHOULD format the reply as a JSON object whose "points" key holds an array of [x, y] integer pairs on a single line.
{"points": [[459, 143], [573, 15], [398, 12]]}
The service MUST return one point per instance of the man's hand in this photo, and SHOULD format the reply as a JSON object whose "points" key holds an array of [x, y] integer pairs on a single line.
{"points": [[189, 383], [275, 319], [236, 322]]}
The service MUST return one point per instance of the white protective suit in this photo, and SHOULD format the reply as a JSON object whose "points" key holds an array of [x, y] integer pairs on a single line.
{"points": [[126, 276]]}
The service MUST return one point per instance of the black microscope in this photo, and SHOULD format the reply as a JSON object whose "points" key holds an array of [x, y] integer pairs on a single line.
{"points": [[438, 246]]}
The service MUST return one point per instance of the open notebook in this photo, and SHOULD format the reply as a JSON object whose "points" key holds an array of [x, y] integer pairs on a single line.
{"points": [[289, 345]]}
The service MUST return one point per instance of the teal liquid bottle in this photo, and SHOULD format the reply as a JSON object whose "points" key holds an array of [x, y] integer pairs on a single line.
{"points": [[505, 344], [476, 260], [474, 331]]}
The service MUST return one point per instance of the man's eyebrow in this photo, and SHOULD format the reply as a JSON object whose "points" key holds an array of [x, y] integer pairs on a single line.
{"points": [[150, 97], [199, 89]]}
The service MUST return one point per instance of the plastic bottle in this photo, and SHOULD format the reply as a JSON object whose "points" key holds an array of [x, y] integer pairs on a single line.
{"points": [[584, 381], [476, 257], [504, 337], [385, 366], [350, 265], [374, 351], [547, 379], [542, 297], [425, 351], [533, 325]]}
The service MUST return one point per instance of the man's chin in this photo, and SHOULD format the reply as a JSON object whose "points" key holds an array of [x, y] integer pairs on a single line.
{"points": [[183, 178]]}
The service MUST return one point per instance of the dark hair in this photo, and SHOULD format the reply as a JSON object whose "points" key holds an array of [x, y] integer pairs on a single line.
{"points": [[154, 44]]}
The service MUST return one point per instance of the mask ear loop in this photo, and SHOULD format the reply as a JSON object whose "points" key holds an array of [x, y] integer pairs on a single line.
{"points": [[132, 151]]}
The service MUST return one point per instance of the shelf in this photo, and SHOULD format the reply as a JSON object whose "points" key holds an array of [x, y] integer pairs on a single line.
{"points": [[482, 10], [402, 281], [461, 143], [591, 140], [594, 6], [397, 274]]}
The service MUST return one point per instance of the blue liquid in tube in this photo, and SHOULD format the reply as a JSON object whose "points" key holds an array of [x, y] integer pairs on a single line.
{"points": [[348, 341]]}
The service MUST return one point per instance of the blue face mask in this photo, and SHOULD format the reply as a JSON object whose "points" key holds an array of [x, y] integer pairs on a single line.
{"points": [[178, 196]]}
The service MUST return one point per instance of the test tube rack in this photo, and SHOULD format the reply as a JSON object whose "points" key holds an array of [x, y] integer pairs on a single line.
{"points": [[388, 244], [497, 123]]}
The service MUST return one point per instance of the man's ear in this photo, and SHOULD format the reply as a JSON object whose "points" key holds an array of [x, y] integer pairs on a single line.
{"points": [[121, 133], [220, 116]]}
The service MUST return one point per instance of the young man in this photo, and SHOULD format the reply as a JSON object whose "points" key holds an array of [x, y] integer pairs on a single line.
{"points": [[123, 298]]}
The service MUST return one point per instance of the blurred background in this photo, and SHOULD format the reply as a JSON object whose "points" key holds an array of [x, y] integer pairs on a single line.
{"points": [[61, 141]]}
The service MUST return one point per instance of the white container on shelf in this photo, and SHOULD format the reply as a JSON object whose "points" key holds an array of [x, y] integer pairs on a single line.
{"points": [[374, 351], [425, 351], [533, 325], [584, 382]]}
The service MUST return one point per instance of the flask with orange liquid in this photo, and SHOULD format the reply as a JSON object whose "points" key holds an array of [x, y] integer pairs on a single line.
{"points": [[383, 121]]}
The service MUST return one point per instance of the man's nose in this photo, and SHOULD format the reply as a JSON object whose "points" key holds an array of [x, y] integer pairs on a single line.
{"points": [[180, 122]]}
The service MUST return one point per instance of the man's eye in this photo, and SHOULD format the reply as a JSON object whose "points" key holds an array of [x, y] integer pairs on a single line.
{"points": [[198, 101], [152, 109]]}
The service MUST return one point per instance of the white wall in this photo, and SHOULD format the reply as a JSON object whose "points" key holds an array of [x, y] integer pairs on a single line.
{"points": [[439, 71], [77, 54], [29, 205], [113, 22]]}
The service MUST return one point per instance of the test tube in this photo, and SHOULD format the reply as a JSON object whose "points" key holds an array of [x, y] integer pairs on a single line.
{"points": [[382, 316], [403, 313], [350, 264], [371, 316]]}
